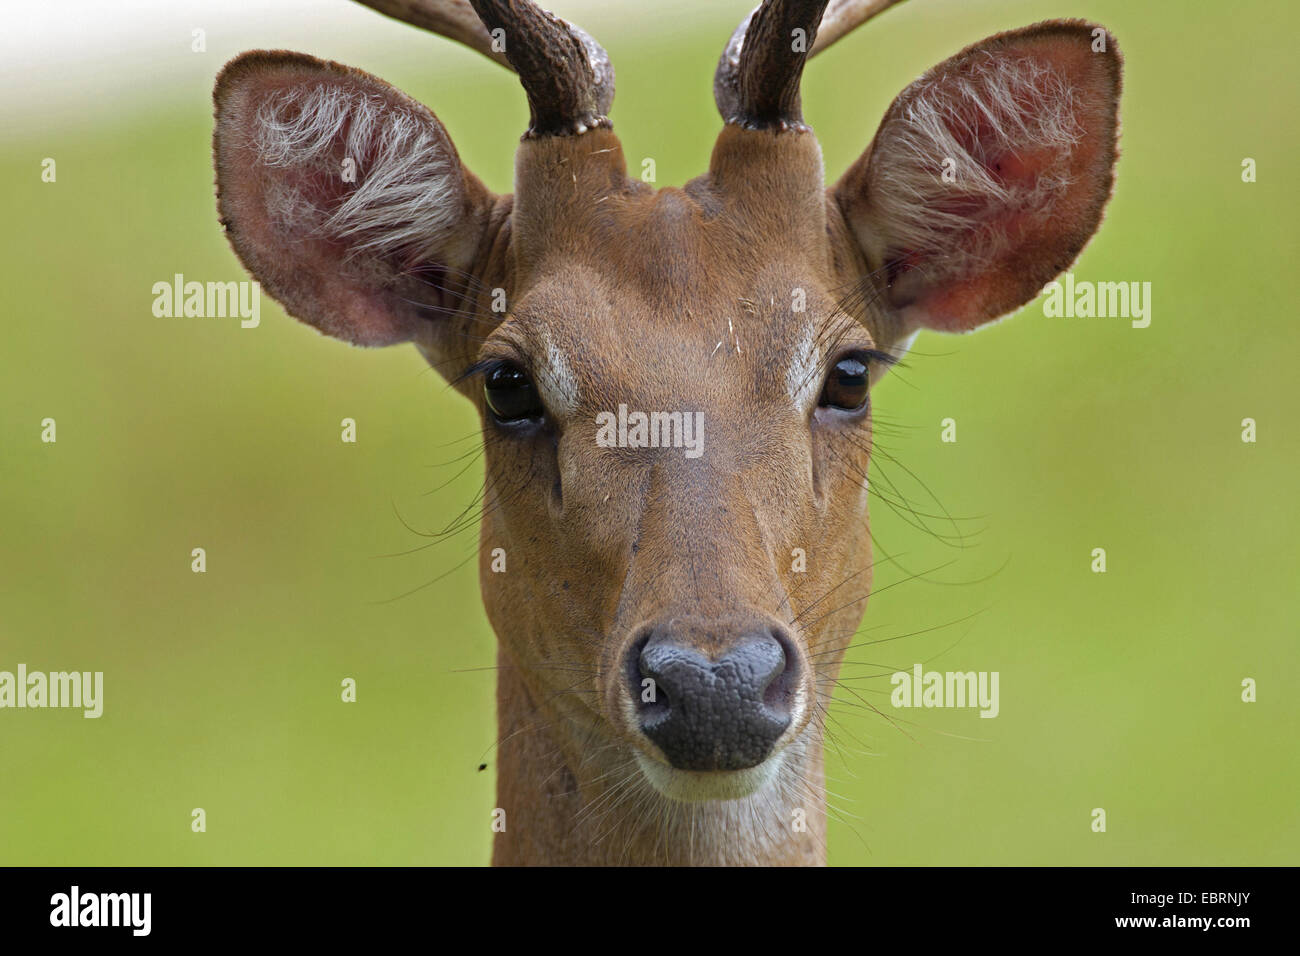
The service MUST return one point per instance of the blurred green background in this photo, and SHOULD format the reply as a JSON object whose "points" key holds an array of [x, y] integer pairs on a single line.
{"points": [[1118, 690]]}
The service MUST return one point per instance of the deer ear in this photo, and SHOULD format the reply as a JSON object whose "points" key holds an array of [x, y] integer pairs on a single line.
{"points": [[342, 196], [989, 174]]}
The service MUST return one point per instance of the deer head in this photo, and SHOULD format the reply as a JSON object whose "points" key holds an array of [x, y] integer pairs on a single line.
{"points": [[665, 663]]}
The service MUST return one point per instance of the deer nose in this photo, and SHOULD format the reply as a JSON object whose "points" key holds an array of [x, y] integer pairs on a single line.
{"points": [[714, 714]]}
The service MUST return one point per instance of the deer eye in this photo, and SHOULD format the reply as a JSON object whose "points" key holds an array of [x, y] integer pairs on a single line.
{"points": [[511, 394], [846, 386]]}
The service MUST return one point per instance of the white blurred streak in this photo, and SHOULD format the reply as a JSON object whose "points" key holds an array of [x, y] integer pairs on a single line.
{"points": [[64, 62]]}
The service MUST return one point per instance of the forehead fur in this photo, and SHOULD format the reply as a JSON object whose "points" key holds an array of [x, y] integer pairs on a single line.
{"points": [[594, 343]]}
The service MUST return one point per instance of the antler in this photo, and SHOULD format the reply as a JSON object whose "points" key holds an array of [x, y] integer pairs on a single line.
{"points": [[566, 74], [757, 81], [842, 16], [454, 19]]}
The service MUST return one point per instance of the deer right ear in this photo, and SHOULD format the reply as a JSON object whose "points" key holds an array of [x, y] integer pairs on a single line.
{"points": [[342, 196], [989, 174]]}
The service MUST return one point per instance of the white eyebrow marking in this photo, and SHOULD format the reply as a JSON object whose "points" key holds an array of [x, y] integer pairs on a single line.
{"points": [[558, 384], [801, 378]]}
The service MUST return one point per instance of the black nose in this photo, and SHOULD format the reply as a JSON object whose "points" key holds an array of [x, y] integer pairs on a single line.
{"points": [[722, 714]]}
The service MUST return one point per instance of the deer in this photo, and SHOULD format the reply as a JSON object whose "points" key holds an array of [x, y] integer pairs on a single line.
{"points": [[663, 666]]}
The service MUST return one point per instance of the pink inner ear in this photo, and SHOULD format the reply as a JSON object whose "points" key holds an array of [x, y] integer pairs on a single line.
{"points": [[1026, 123], [333, 243], [948, 306]]}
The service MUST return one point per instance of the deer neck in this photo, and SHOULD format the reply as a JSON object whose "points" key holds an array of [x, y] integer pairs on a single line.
{"points": [[570, 802]]}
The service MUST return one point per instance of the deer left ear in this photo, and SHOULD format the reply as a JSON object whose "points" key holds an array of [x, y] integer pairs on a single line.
{"points": [[344, 197], [989, 174]]}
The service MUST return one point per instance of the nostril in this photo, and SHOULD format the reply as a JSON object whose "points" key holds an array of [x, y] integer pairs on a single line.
{"points": [[779, 696], [649, 699]]}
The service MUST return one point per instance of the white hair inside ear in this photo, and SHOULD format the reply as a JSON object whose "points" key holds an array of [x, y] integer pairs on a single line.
{"points": [[398, 184]]}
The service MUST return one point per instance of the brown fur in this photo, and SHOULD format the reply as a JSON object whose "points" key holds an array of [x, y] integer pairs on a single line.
{"points": [[669, 299]]}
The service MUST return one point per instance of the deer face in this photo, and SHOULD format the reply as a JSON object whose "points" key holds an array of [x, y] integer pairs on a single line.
{"points": [[673, 384], [671, 567]]}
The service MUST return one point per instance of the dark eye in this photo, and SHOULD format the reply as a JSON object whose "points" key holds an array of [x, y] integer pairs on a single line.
{"points": [[511, 394], [846, 386]]}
